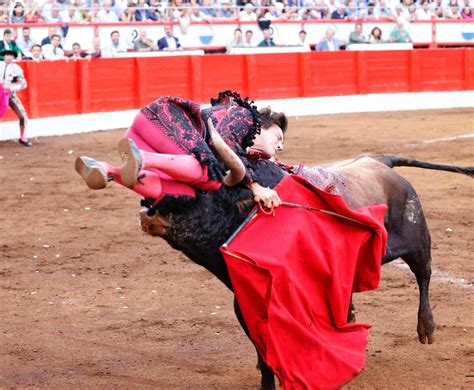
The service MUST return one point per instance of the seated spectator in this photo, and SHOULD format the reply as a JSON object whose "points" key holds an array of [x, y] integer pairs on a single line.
{"points": [[453, 12], [53, 51], [329, 43], [376, 35], [184, 18], [236, 41], [439, 13], [400, 14], [435, 4], [424, 12], [351, 11], [196, 15], [143, 13], [226, 11], [71, 15], [399, 34], [143, 43], [96, 51], [248, 14], [114, 46], [267, 39], [107, 14], [53, 16], [370, 13], [25, 42], [128, 14], [9, 44], [34, 15], [340, 12], [302, 35], [357, 36], [385, 12], [309, 12], [94, 16], [18, 14], [291, 13], [333, 4], [248, 39], [4, 18], [76, 52], [169, 42], [36, 54], [51, 32], [208, 8], [466, 13]]}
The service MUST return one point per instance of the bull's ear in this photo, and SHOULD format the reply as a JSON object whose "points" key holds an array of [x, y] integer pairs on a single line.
{"points": [[228, 156]]}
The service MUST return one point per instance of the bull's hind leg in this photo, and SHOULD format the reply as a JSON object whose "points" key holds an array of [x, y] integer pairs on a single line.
{"points": [[420, 265], [409, 239]]}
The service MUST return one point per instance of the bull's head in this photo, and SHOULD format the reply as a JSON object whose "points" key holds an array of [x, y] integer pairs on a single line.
{"points": [[154, 225]]}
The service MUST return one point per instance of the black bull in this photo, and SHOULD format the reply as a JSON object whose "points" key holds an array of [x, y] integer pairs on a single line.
{"points": [[199, 229]]}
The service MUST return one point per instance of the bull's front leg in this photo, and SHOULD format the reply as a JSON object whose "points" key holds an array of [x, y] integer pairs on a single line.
{"points": [[268, 378]]}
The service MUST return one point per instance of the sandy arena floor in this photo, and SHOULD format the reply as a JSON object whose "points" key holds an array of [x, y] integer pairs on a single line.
{"points": [[88, 302]]}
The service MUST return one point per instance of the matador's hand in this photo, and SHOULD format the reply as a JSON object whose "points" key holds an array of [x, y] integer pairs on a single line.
{"points": [[268, 197]]}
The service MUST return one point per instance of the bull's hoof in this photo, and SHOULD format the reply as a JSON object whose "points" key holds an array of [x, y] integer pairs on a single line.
{"points": [[426, 330], [268, 384]]}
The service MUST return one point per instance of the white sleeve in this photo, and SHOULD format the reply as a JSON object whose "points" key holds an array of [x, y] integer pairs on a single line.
{"points": [[20, 81]]}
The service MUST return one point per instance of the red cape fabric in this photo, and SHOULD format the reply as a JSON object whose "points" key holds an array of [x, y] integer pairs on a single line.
{"points": [[293, 274]]}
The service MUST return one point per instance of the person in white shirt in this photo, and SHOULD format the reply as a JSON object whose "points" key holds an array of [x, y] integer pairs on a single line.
{"points": [[107, 14], [302, 41], [169, 42], [36, 53], [196, 15], [25, 42], [424, 12], [53, 16], [248, 14], [52, 51], [248, 39], [115, 46]]}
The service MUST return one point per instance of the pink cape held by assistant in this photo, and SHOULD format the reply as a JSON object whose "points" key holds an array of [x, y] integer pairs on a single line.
{"points": [[4, 96], [293, 274]]}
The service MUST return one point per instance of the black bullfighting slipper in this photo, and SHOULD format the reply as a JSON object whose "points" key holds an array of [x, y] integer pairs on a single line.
{"points": [[92, 171], [25, 143], [132, 162]]}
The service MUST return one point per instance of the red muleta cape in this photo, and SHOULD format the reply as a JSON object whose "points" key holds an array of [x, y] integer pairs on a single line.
{"points": [[293, 274]]}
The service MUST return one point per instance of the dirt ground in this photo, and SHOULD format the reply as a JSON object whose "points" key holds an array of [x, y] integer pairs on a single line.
{"points": [[88, 302]]}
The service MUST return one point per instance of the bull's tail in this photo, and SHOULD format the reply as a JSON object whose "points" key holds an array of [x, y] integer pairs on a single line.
{"points": [[395, 161]]}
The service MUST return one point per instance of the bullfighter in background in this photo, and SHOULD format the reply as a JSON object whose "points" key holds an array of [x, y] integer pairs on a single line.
{"points": [[12, 81]]}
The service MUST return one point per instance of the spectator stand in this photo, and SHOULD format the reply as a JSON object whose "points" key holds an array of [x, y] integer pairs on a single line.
{"points": [[216, 35]]}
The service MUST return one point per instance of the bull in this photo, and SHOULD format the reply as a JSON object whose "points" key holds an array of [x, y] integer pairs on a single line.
{"points": [[200, 228]]}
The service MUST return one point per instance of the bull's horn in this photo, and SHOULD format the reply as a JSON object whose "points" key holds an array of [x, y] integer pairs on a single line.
{"points": [[231, 160]]}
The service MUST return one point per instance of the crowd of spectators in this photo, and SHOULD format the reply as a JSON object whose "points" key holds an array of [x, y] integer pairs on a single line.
{"points": [[186, 11]]}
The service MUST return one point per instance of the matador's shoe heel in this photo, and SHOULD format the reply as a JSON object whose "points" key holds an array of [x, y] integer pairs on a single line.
{"points": [[132, 162], [92, 171]]}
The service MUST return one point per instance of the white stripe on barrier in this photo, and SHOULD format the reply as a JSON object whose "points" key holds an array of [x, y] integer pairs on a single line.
{"points": [[71, 124]]}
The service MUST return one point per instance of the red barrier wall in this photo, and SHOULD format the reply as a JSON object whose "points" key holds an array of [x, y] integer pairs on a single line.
{"points": [[62, 88]]}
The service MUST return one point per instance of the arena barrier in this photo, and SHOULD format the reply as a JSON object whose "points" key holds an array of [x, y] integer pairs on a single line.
{"points": [[83, 86]]}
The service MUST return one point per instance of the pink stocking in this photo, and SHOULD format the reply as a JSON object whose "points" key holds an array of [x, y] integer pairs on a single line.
{"points": [[184, 168]]}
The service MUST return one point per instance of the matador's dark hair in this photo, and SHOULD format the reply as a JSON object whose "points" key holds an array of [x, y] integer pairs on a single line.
{"points": [[270, 118], [245, 103]]}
